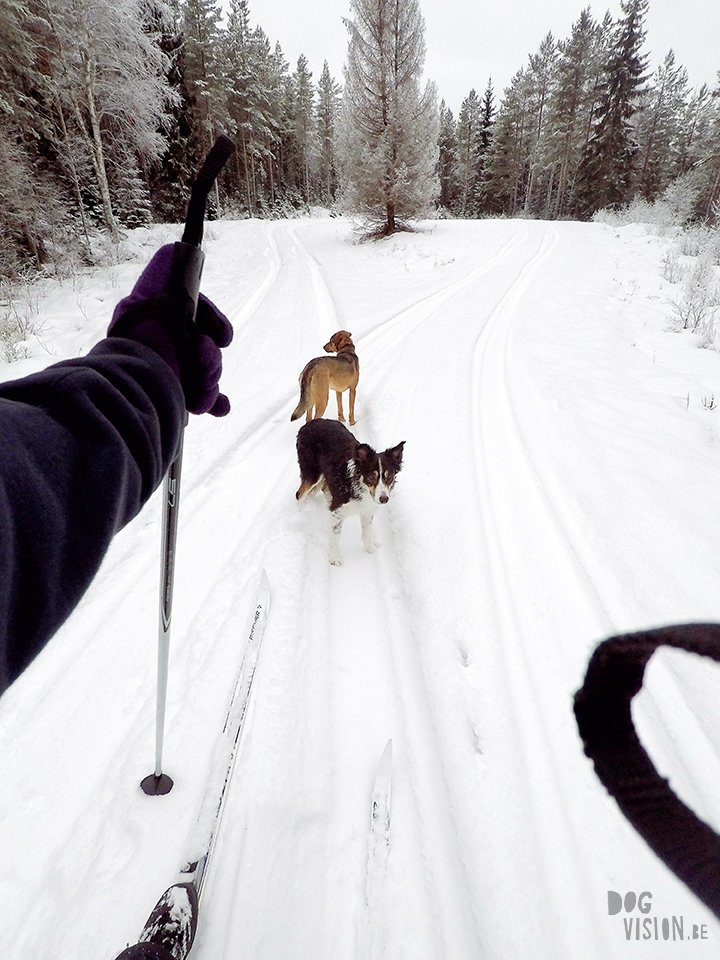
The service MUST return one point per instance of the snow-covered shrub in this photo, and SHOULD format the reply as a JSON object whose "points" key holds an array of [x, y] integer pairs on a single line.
{"points": [[673, 270], [680, 198], [700, 240], [659, 214], [18, 314], [699, 307]]}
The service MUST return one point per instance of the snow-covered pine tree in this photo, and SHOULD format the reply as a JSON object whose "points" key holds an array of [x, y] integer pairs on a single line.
{"points": [[275, 85], [506, 162], [31, 197], [541, 76], [579, 67], [700, 154], [303, 126], [486, 124], [244, 53], [328, 106], [388, 129], [696, 121], [280, 146], [171, 176], [204, 74], [469, 144], [659, 128], [448, 171], [605, 177]]}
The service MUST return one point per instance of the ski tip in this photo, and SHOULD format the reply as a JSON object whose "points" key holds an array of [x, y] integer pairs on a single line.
{"points": [[264, 593], [170, 929], [384, 770]]}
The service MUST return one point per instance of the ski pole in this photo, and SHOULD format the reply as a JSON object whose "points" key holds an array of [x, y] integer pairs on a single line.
{"points": [[185, 273]]}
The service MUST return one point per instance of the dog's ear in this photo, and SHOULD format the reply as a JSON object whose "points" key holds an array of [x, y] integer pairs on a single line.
{"points": [[364, 453], [395, 455]]}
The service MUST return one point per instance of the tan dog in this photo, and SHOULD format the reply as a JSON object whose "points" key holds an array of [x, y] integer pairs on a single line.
{"points": [[324, 374]]}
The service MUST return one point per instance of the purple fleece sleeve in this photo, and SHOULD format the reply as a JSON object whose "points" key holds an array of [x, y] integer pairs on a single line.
{"points": [[83, 444]]}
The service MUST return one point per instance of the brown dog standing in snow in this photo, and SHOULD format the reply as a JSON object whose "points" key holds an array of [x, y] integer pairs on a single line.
{"points": [[324, 374]]}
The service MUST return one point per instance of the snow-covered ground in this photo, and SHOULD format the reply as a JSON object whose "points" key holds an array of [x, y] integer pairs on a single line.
{"points": [[560, 485]]}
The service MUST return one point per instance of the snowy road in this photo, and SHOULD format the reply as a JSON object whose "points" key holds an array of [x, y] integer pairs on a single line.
{"points": [[559, 485]]}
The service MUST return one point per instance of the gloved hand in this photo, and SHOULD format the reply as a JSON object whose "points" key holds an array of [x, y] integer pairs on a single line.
{"points": [[151, 315]]}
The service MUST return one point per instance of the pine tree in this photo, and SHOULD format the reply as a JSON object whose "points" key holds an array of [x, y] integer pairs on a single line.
{"points": [[574, 102], [541, 78], [32, 198], [328, 106], [285, 153], [659, 129], [303, 125], [389, 128], [448, 171], [506, 164], [469, 134], [275, 83], [486, 123], [203, 70], [697, 118], [478, 195], [605, 177], [170, 177], [244, 53], [699, 155]]}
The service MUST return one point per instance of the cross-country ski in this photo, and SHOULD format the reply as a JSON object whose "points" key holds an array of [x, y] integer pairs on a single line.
{"points": [[173, 921]]}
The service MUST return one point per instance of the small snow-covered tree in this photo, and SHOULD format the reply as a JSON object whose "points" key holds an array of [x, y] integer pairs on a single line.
{"points": [[388, 129]]}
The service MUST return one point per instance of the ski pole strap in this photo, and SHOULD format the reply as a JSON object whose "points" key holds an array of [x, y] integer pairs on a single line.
{"points": [[687, 845]]}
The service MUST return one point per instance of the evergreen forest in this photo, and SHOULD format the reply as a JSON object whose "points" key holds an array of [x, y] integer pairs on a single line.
{"points": [[107, 108]]}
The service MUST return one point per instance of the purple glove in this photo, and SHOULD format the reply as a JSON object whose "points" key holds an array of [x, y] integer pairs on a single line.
{"points": [[150, 315]]}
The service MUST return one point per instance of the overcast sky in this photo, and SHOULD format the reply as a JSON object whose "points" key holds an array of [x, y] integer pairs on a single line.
{"points": [[469, 41]]}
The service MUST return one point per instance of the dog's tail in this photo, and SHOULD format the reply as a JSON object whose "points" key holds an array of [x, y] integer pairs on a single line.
{"points": [[304, 394]]}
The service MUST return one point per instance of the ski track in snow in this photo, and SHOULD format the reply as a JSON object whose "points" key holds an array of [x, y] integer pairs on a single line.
{"points": [[462, 638]]}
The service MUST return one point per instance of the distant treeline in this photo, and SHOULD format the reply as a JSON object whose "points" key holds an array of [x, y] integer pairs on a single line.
{"points": [[107, 108]]}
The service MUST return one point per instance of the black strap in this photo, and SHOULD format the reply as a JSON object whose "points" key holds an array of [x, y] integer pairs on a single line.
{"points": [[689, 847]]}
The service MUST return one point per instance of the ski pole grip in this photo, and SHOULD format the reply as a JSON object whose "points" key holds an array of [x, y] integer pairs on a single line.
{"points": [[687, 845], [214, 162], [185, 273], [188, 258]]}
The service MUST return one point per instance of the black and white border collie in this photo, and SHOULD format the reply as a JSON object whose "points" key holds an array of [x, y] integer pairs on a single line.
{"points": [[352, 476]]}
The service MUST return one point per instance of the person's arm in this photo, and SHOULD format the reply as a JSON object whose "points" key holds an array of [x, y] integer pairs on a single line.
{"points": [[83, 444]]}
